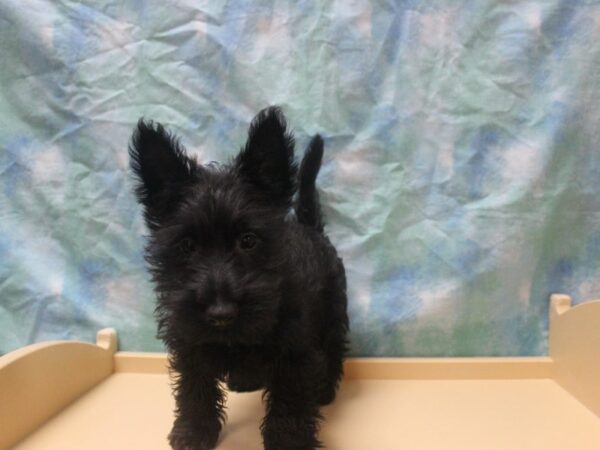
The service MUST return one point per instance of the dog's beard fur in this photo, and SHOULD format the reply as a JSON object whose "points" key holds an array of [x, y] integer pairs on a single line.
{"points": [[246, 291]]}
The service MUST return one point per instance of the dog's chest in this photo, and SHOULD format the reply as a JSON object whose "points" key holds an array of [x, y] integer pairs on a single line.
{"points": [[247, 369]]}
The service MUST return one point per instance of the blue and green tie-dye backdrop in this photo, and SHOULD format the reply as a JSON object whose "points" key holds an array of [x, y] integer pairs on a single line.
{"points": [[461, 179]]}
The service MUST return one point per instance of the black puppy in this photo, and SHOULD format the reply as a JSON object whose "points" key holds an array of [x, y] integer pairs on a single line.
{"points": [[248, 293]]}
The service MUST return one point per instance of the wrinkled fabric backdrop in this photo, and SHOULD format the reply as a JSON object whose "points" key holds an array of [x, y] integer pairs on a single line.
{"points": [[460, 181]]}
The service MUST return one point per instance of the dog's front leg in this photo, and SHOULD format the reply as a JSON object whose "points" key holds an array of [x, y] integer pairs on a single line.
{"points": [[199, 406], [292, 416]]}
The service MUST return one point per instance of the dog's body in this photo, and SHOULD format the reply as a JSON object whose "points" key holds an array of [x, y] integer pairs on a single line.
{"points": [[247, 294]]}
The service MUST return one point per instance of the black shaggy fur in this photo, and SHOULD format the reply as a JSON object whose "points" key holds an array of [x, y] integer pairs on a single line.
{"points": [[248, 294]]}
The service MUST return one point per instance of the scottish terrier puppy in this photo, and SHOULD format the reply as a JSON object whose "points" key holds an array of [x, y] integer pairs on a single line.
{"points": [[250, 291]]}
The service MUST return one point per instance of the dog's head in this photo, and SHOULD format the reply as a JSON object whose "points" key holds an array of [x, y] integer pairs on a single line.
{"points": [[216, 245]]}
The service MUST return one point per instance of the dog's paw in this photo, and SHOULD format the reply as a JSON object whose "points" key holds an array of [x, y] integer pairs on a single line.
{"points": [[290, 433], [186, 437]]}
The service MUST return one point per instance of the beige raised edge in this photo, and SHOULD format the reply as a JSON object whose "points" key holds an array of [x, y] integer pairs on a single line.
{"points": [[575, 348], [448, 368], [39, 380], [138, 362], [388, 368]]}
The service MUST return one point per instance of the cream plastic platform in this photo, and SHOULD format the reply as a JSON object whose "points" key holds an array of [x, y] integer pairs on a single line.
{"points": [[78, 396]]}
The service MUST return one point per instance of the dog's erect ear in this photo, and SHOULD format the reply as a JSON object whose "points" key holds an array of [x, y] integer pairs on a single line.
{"points": [[162, 167], [267, 159]]}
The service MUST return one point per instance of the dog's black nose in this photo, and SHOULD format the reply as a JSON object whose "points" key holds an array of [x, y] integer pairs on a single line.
{"points": [[221, 314]]}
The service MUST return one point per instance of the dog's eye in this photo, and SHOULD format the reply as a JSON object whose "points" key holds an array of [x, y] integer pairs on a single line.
{"points": [[248, 241], [186, 246]]}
